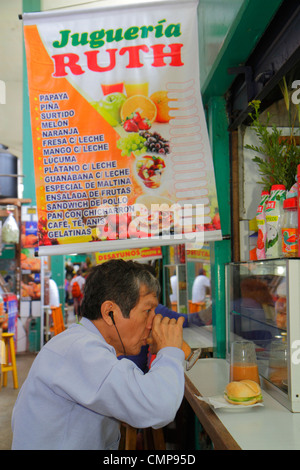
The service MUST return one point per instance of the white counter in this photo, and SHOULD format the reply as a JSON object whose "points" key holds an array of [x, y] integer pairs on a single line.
{"points": [[271, 427], [198, 336]]}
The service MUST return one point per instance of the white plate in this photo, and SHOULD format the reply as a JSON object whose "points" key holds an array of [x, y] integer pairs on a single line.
{"points": [[220, 402]]}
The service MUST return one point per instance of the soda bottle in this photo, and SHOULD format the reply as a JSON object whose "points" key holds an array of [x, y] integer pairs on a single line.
{"points": [[2, 317], [261, 224], [289, 228], [274, 213]]}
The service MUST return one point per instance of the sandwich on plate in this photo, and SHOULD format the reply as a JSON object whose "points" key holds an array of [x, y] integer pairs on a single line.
{"points": [[243, 392]]}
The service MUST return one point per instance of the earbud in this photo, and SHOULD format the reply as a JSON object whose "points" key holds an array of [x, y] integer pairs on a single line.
{"points": [[111, 315]]}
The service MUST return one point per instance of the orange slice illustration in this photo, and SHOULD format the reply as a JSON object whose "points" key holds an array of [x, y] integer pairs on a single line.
{"points": [[141, 104]]}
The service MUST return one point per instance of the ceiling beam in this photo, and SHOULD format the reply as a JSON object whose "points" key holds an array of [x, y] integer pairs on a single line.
{"points": [[249, 25]]}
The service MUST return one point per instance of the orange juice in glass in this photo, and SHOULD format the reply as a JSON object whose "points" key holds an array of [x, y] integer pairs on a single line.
{"points": [[108, 88], [244, 371], [243, 364], [132, 88]]}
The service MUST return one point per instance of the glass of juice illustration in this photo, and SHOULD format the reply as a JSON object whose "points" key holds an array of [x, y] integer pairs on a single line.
{"points": [[132, 88], [108, 88], [243, 363]]}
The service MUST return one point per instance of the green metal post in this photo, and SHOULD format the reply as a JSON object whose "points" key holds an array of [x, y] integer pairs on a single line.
{"points": [[57, 262], [221, 250], [28, 167]]}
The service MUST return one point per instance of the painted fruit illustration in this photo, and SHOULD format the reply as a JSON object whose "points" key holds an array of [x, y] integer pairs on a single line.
{"points": [[138, 104], [112, 104], [135, 123], [150, 169], [161, 100]]}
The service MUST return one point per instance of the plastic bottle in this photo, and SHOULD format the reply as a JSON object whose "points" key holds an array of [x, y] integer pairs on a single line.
{"points": [[261, 224], [289, 228], [298, 198], [2, 316], [274, 213]]}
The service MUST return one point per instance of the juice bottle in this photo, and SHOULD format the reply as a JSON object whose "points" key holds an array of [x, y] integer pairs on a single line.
{"points": [[298, 198], [261, 224], [1, 310], [289, 228], [274, 213]]}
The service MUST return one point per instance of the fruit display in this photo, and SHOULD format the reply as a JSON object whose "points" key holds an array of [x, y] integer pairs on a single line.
{"points": [[123, 226], [135, 122], [31, 289], [28, 262], [29, 241], [139, 128], [150, 169], [115, 227], [43, 233], [29, 237], [111, 105], [133, 114], [132, 143], [154, 142], [161, 101], [141, 104]]}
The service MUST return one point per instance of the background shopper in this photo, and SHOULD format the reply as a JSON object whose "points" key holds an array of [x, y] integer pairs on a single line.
{"points": [[77, 288], [201, 286]]}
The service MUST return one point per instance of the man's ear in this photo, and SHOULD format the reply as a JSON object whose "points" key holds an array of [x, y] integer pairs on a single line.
{"points": [[108, 310]]}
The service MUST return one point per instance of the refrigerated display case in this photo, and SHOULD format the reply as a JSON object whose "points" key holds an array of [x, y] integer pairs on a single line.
{"points": [[263, 306]]}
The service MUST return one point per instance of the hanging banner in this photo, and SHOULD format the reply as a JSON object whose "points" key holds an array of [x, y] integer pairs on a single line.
{"points": [[143, 253], [197, 253], [120, 144]]}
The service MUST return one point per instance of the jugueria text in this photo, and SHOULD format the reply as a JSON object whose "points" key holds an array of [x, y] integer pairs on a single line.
{"points": [[162, 54]]}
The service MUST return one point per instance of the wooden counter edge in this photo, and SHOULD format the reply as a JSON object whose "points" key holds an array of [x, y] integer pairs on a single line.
{"points": [[219, 435]]}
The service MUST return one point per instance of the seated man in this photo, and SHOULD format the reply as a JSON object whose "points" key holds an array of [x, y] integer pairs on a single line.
{"points": [[143, 359], [77, 391]]}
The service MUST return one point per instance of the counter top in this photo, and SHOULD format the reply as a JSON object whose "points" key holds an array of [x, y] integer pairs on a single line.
{"points": [[198, 336], [268, 427]]}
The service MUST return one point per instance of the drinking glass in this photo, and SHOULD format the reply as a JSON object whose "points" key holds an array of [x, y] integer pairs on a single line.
{"points": [[108, 88], [243, 364]]}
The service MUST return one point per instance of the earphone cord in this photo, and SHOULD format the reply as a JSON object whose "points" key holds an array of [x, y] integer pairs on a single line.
{"points": [[120, 339]]}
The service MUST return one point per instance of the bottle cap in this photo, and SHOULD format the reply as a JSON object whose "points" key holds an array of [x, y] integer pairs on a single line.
{"points": [[290, 203], [277, 187], [264, 192]]}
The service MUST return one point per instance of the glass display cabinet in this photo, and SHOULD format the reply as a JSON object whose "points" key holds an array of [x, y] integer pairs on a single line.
{"points": [[263, 306], [176, 287]]}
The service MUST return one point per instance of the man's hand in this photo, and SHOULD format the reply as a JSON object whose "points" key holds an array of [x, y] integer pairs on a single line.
{"points": [[166, 332]]}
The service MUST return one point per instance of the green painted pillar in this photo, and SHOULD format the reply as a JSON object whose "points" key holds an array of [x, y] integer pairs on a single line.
{"points": [[58, 274], [28, 167], [221, 250]]}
